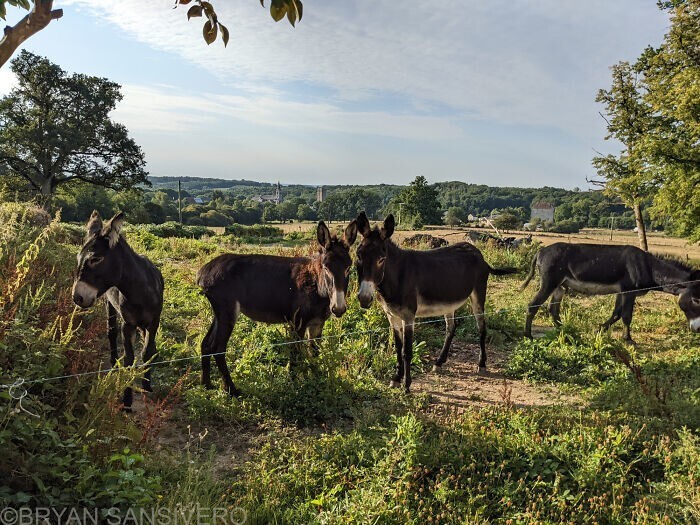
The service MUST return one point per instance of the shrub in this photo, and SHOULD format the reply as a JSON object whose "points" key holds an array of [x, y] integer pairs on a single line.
{"points": [[255, 231], [565, 226], [174, 229]]}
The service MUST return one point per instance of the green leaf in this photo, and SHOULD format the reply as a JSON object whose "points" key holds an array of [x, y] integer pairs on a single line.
{"points": [[184, 2], [300, 8], [209, 32], [292, 14], [195, 10], [277, 10], [224, 34]]}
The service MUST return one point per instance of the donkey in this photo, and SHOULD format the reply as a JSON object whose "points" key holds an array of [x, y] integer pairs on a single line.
{"points": [[133, 287], [598, 269], [302, 291], [411, 284]]}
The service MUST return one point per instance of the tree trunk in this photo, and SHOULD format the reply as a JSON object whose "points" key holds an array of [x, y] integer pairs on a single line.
{"points": [[641, 229], [37, 19]]}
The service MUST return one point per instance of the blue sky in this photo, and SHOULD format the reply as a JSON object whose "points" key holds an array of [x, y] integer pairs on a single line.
{"points": [[368, 91]]}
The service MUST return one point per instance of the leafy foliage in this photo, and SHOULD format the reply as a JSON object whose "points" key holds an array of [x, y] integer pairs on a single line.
{"points": [[55, 129]]}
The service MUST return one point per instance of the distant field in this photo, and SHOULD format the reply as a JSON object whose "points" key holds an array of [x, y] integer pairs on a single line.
{"points": [[658, 242]]}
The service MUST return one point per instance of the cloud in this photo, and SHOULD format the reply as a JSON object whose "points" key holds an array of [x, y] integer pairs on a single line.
{"points": [[7, 81], [166, 109], [536, 64]]}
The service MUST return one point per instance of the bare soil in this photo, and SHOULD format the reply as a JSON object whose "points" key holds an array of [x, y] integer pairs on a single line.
{"points": [[458, 386]]}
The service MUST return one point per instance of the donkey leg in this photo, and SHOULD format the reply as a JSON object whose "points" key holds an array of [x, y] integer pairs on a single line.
{"points": [[555, 305], [226, 320], [149, 352], [315, 330], [478, 298], [627, 311], [617, 312], [546, 289], [397, 330], [449, 334], [112, 333], [206, 350], [407, 353], [128, 333]]}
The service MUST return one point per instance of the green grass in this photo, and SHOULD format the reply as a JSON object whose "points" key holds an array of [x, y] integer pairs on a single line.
{"points": [[323, 439]]}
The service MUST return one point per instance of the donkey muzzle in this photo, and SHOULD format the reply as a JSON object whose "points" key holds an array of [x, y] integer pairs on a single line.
{"points": [[366, 293], [84, 295]]}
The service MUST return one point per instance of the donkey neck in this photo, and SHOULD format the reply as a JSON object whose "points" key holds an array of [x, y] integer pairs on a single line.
{"points": [[132, 281], [323, 284], [666, 272], [394, 259]]}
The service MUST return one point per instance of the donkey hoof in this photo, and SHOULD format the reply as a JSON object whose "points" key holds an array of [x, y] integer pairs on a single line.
{"points": [[146, 387], [234, 392], [394, 383], [481, 371]]}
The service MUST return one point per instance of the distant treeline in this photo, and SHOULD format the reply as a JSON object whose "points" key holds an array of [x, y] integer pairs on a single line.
{"points": [[219, 202]]}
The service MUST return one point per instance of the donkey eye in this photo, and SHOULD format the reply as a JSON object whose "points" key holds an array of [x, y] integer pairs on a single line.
{"points": [[381, 260], [94, 261]]}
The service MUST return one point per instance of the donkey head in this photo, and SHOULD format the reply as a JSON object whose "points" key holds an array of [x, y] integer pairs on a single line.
{"points": [[689, 300], [336, 263], [371, 256], [98, 267]]}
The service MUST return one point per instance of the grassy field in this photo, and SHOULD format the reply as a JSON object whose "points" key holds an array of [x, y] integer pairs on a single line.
{"points": [[658, 242], [573, 427]]}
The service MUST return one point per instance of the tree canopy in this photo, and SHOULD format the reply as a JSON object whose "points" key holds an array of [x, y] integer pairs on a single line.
{"points": [[629, 120], [55, 129], [656, 114], [418, 203]]}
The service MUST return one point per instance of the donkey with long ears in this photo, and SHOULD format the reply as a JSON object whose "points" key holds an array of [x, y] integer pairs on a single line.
{"points": [[132, 284], [411, 284], [302, 291]]}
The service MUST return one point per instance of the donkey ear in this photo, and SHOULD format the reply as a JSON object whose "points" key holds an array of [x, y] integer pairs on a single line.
{"points": [[323, 235], [363, 224], [94, 225], [113, 229], [350, 234], [388, 228]]}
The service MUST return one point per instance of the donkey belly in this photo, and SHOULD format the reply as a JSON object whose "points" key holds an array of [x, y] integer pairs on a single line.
{"points": [[428, 308], [591, 287]]}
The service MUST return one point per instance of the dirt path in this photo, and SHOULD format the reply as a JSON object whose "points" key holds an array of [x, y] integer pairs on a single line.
{"points": [[458, 387]]}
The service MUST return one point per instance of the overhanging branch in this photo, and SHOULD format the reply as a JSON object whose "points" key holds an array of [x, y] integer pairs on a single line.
{"points": [[37, 19]]}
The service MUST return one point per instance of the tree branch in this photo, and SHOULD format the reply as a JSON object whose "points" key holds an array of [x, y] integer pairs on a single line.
{"points": [[37, 19]]}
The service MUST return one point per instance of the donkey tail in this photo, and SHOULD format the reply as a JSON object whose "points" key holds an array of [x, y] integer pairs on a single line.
{"points": [[533, 267], [502, 271]]}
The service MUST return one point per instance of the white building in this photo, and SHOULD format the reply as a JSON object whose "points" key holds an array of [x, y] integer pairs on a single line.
{"points": [[542, 210]]}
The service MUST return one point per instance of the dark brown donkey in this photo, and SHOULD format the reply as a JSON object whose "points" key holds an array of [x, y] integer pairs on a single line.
{"points": [[302, 291], [132, 284], [412, 284]]}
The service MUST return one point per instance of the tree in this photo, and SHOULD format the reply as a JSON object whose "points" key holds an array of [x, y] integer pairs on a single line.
{"points": [[305, 213], [507, 221], [55, 129], [454, 216], [672, 73], [420, 202], [43, 13], [629, 120]]}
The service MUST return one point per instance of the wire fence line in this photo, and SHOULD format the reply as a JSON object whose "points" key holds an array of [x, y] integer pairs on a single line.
{"points": [[21, 382]]}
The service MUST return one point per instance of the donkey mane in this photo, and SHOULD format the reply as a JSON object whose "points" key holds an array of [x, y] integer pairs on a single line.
{"points": [[673, 261]]}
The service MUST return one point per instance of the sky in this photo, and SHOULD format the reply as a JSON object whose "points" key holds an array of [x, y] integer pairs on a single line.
{"points": [[361, 91]]}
